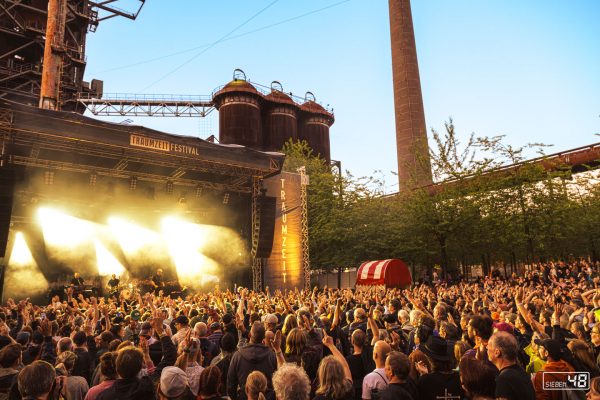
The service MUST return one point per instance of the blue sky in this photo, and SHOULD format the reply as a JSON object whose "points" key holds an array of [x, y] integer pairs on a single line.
{"points": [[528, 70]]}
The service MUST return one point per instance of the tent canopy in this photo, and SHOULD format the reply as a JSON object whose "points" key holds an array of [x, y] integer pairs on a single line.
{"points": [[391, 273]]}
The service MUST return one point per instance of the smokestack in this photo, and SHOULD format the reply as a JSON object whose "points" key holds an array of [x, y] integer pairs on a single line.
{"points": [[53, 54], [414, 167]]}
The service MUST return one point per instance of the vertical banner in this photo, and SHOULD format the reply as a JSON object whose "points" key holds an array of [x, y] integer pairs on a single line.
{"points": [[283, 270]]}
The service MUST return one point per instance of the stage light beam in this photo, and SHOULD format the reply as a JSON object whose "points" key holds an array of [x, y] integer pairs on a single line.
{"points": [[23, 276], [107, 263], [184, 241], [131, 237], [64, 230]]}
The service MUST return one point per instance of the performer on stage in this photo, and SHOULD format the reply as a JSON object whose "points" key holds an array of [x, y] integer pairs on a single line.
{"points": [[157, 281], [77, 280], [113, 284]]}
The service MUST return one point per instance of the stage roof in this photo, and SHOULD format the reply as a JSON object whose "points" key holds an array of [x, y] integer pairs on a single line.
{"points": [[71, 142]]}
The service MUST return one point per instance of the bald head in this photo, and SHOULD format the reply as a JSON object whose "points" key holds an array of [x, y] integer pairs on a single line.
{"points": [[380, 353], [269, 335]]}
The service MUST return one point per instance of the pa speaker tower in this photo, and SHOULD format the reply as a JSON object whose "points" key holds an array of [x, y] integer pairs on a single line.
{"points": [[266, 227]]}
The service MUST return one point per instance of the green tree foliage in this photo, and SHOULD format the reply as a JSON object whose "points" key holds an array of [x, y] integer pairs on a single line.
{"points": [[472, 216]]}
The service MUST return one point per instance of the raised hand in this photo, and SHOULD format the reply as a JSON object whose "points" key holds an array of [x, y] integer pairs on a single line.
{"points": [[275, 343], [327, 340]]}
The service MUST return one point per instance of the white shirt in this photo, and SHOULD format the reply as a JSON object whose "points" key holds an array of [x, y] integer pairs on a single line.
{"points": [[376, 379]]}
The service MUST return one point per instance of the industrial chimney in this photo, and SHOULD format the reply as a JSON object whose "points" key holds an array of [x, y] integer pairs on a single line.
{"points": [[414, 167]]}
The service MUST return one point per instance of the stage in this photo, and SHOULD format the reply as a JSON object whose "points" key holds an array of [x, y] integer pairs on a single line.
{"points": [[78, 194]]}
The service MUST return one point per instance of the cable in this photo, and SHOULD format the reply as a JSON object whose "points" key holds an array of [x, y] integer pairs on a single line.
{"points": [[225, 40], [210, 46]]}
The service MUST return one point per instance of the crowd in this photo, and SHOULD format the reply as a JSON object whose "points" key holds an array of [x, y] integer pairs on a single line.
{"points": [[498, 338]]}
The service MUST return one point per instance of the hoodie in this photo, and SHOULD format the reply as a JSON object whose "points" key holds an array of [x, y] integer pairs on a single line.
{"points": [[539, 378], [7, 377], [253, 357]]}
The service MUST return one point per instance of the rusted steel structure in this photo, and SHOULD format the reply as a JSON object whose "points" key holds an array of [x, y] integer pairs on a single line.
{"points": [[265, 121], [240, 108], [577, 160], [23, 49], [414, 168], [314, 127], [53, 53], [280, 119]]}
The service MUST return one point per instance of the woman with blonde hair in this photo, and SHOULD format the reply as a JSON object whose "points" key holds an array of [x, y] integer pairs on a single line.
{"points": [[256, 386], [333, 383], [298, 352], [335, 378], [290, 323]]}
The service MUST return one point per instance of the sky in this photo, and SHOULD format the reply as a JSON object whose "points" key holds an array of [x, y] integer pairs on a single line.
{"points": [[527, 70]]}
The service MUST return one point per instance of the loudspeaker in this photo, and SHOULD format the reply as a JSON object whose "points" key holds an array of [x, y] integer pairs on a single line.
{"points": [[266, 229], [7, 188]]}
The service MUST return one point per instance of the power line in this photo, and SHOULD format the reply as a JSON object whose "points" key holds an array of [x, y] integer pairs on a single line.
{"points": [[150, 60], [210, 46]]}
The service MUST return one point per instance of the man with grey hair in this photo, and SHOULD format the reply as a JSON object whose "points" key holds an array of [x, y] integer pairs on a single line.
{"points": [[291, 382], [512, 383], [209, 349]]}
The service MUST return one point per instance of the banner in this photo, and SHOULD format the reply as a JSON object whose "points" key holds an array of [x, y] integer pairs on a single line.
{"points": [[283, 270]]}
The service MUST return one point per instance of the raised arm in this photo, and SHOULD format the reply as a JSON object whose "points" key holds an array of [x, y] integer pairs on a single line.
{"points": [[328, 342]]}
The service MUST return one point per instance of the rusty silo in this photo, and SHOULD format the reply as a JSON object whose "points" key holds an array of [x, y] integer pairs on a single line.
{"points": [[315, 122], [280, 119], [239, 105]]}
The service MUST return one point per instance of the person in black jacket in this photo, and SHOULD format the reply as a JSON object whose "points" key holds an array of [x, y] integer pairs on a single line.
{"points": [[254, 357], [84, 366], [10, 359], [130, 361]]}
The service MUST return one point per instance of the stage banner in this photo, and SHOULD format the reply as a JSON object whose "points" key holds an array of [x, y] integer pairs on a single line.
{"points": [[283, 270]]}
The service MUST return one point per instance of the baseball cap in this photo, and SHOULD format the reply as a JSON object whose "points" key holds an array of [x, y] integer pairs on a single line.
{"points": [[552, 346], [503, 327], [146, 328], [173, 382], [182, 319], [135, 315]]}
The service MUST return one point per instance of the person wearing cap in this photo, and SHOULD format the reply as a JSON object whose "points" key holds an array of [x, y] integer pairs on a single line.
{"points": [[216, 333], [174, 385], [132, 328], [512, 382], [441, 381], [182, 324], [551, 351]]}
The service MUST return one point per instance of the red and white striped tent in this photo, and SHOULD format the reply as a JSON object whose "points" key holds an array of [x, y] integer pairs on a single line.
{"points": [[389, 273]]}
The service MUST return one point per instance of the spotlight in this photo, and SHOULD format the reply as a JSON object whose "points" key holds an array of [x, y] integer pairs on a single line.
{"points": [[169, 187], [49, 177], [64, 230], [107, 263], [93, 179], [132, 183], [226, 199], [198, 191]]}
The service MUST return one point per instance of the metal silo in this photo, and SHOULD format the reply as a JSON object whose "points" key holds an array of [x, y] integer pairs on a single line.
{"points": [[239, 105], [280, 119], [315, 122]]}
